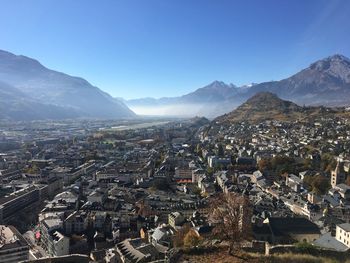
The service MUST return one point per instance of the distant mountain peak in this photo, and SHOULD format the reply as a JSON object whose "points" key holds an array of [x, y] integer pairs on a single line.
{"points": [[215, 91], [338, 57], [331, 61], [337, 66], [219, 84]]}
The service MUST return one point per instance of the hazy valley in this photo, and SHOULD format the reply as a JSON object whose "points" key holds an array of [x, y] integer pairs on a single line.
{"points": [[30, 91]]}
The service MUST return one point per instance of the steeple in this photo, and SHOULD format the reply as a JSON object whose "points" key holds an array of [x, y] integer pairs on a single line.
{"points": [[337, 176], [337, 168]]}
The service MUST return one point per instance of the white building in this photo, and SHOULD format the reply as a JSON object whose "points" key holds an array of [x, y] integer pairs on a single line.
{"points": [[96, 197], [52, 240], [175, 219], [58, 244], [342, 234], [218, 161]]}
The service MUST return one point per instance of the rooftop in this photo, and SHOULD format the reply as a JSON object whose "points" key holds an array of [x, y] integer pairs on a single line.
{"points": [[285, 225], [345, 226], [16, 194], [10, 238], [328, 241]]}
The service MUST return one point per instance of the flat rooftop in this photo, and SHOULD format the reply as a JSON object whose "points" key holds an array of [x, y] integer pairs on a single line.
{"points": [[10, 238]]}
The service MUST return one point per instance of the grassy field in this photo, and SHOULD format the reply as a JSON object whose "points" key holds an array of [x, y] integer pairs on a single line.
{"points": [[221, 256]]}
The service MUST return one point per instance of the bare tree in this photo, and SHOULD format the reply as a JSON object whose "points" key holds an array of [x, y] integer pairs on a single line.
{"points": [[178, 239], [231, 216], [191, 239]]}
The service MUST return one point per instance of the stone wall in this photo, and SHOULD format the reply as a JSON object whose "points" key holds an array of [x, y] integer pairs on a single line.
{"points": [[315, 251], [63, 259]]}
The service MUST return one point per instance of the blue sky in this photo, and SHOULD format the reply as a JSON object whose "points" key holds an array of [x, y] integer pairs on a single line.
{"points": [[155, 48]]}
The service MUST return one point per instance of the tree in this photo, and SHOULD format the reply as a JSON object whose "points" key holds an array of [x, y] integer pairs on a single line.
{"points": [[196, 190], [283, 164], [318, 183], [278, 165], [210, 171], [178, 239], [328, 162], [191, 239], [221, 151], [264, 165], [231, 215], [307, 164], [32, 169]]}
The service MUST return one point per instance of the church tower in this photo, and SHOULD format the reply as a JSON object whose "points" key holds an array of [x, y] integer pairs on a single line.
{"points": [[337, 176]]}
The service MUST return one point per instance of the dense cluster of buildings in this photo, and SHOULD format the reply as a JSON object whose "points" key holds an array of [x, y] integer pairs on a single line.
{"points": [[126, 195]]}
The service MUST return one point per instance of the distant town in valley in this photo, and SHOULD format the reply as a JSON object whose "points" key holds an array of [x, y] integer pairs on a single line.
{"points": [[204, 132]]}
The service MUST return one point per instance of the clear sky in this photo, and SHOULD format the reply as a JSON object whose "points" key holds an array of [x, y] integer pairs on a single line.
{"points": [[155, 48]]}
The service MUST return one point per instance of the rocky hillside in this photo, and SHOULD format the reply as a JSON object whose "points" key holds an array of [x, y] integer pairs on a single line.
{"points": [[268, 106]]}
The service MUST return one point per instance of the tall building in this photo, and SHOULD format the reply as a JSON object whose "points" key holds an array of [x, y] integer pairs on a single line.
{"points": [[26, 198], [13, 246], [337, 175], [54, 242]]}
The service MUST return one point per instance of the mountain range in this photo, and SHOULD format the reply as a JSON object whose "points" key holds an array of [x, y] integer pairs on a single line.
{"points": [[30, 91], [325, 82], [204, 101]]}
